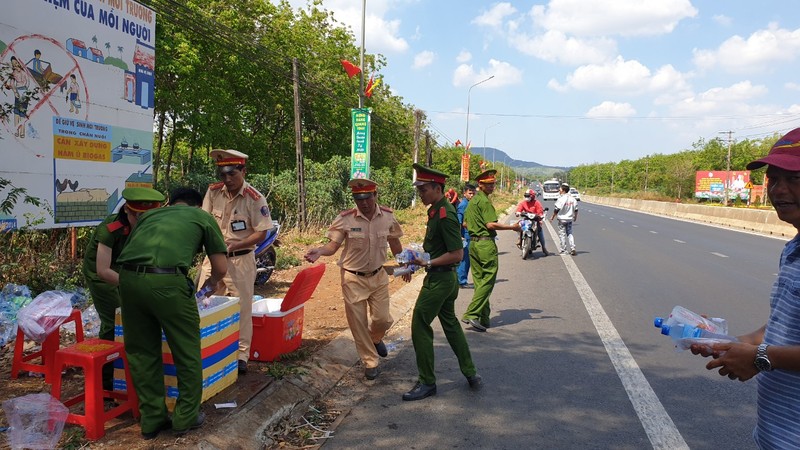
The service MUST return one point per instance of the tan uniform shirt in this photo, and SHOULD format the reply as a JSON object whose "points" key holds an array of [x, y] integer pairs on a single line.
{"points": [[240, 216], [365, 240]]}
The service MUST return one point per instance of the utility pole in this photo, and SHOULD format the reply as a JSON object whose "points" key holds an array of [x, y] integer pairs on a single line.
{"points": [[728, 168], [361, 55], [418, 115], [646, 170], [298, 136], [428, 154]]}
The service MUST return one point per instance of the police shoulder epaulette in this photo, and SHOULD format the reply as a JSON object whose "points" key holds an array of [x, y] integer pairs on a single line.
{"points": [[386, 208], [442, 212], [216, 186], [114, 226], [249, 190], [347, 212]]}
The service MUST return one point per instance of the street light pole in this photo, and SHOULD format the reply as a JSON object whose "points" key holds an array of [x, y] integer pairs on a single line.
{"points": [[468, 95], [728, 169], [361, 58]]}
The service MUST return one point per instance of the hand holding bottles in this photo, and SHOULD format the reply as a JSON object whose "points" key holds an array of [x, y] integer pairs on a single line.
{"points": [[412, 258], [685, 328]]}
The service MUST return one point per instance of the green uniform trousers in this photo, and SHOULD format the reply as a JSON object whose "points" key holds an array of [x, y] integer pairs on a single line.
{"points": [[106, 300], [150, 303], [437, 299], [484, 264]]}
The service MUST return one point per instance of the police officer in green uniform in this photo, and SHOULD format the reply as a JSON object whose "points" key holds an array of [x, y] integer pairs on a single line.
{"points": [[101, 257], [482, 225], [440, 287], [156, 295]]}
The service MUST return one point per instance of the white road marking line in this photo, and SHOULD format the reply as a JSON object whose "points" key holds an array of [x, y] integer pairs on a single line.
{"points": [[654, 232], [635, 226], [719, 254], [621, 221], [679, 241], [658, 425]]}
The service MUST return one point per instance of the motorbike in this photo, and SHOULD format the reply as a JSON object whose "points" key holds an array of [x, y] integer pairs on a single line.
{"points": [[266, 256], [529, 230]]}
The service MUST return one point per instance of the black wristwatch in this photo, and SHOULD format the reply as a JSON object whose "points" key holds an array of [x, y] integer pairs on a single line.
{"points": [[762, 361]]}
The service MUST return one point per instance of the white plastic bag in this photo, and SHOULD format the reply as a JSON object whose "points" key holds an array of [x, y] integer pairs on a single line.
{"points": [[44, 314], [36, 420]]}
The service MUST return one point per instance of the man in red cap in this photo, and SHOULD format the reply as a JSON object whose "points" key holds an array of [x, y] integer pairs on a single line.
{"points": [[243, 216], [365, 231], [773, 351], [482, 225]]}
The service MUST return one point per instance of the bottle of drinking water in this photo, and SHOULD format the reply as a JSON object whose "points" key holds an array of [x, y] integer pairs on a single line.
{"points": [[681, 315], [685, 335]]}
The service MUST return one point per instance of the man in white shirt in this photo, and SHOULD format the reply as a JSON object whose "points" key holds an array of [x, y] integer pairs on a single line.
{"points": [[566, 209]]}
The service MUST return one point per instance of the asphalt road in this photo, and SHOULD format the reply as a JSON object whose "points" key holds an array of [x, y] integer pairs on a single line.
{"points": [[572, 359]]}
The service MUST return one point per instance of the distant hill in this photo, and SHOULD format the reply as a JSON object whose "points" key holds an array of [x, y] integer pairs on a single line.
{"points": [[527, 168]]}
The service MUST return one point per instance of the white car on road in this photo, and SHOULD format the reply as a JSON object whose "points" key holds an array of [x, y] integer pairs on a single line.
{"points": [[575, 194]]}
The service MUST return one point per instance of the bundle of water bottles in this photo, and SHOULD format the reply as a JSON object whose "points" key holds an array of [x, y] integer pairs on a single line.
{"points": [[413, 252], [685, 328]]}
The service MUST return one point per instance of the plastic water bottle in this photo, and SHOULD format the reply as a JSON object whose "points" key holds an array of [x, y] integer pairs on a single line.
{"points": [[400, 271], [685, 335], [204, 292], [681, 315]]}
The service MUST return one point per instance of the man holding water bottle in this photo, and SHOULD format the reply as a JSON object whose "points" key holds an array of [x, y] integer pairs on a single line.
{"points": [[365, 232], [773, 351]]}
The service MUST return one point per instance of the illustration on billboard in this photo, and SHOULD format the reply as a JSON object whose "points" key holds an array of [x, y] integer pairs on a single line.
{"points": [[76, 123], [711, 185]]}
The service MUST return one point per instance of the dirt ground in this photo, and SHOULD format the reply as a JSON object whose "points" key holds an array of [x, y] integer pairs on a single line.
{"points": [[324, 319]]}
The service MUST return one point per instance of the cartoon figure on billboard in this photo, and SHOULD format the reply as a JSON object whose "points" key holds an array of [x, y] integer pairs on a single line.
{"points": [[73, 98], [17, 82]]}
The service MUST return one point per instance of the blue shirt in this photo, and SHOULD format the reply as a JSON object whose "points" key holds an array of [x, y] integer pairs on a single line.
{"points": [[462, 206], [778, 424]]}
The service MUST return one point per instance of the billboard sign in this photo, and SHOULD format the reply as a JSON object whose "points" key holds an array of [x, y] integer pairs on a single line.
{"points": [[359, 153], [77, 90], [711, 184]]}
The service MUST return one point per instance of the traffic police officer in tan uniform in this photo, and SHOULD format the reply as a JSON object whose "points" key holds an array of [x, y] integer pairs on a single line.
{"points": [[365, 231], [243, 216]]}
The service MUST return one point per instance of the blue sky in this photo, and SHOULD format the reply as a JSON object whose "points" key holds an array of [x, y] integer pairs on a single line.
{"points": [[583, 81]]}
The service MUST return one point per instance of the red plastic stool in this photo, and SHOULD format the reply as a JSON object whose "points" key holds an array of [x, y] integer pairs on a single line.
{"points": [[92, 355], [48, 351]]}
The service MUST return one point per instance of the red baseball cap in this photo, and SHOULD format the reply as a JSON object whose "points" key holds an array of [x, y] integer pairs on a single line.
{"points": [[785, 154]]}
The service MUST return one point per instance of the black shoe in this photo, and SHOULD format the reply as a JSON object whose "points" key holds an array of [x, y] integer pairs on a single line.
{"points": [[152, 435], [371, 373], [381, 348], [573, 252], [419, 392], [201, 417], [242, 366], [466, 321], [545, 253], [477, 325], [475, 382], [466, 286]]}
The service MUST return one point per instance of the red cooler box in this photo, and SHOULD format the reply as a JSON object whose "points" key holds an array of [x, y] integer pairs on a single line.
{"points": [[278, 323]]}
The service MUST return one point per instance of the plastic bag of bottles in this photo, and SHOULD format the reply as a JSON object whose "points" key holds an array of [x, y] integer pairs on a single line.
{"points": [[413, 252], [684, 336], [91, 322], [682, 315], [44, 314], [37, 420]]}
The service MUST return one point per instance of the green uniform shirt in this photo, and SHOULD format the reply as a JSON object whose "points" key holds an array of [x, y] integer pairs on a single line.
{"points": [[115, 240], [171, 236], [480, 211], [443, 233]]}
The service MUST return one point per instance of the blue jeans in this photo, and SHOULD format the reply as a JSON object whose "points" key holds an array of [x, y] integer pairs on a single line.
{"points": [[463, 267]]}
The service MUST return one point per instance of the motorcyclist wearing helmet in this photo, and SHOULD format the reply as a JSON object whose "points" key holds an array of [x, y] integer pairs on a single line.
{"points": [[532, 205]]}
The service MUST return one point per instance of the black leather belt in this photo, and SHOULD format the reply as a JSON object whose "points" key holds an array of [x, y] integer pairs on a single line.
{"points": [[239, 253], [436, 269], [364, 274], [481, 238], [157, 270]]}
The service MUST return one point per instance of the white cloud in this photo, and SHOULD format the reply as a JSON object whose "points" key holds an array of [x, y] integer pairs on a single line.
{"points": [[721, 100], [424, 59], [609, 109], [723, 20], [612, 17], [382, 34], [494, 17], [504, 75], [792, 86], [622, 77], [555, 46], [762, 51], [464, 57]]}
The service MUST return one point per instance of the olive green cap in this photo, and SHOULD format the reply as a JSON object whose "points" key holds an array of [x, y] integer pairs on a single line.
{"points": [[427, 175]]}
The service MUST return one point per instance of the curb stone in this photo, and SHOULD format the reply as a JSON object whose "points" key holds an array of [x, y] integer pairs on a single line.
{"points": [[247, 427]]}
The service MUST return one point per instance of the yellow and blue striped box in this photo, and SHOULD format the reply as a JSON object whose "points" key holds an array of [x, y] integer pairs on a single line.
{"points": [[219, 346]]}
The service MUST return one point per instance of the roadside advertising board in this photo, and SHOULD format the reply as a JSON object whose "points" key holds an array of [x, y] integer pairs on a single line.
{"points": [[711, 184], [77, 95]]}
